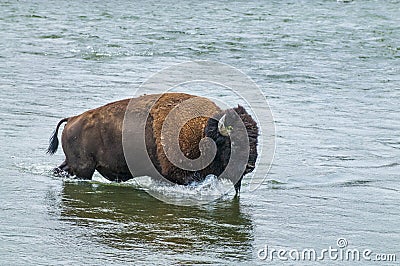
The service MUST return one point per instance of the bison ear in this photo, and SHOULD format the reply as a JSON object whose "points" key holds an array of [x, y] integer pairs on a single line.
{"points": [[222, 128]]}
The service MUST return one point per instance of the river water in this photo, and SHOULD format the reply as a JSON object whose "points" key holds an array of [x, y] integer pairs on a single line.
{"points": [[330, 72]]}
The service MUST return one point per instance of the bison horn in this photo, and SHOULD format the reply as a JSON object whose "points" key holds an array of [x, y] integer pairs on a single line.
{"points": [[224, 130]]}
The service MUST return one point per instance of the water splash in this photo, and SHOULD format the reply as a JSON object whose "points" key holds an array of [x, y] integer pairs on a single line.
{"points": [[35, 169], [210, 189], [196, 193]]}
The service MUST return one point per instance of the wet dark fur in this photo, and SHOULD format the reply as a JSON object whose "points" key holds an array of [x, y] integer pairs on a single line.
{"points": [[224, 143]]}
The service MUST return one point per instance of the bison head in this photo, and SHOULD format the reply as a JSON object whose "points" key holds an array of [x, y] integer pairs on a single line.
{"points": [[235, 134]]}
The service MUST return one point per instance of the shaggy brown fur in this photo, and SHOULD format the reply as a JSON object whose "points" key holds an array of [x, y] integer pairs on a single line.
{"points": [[93, 140], [189, 137]]}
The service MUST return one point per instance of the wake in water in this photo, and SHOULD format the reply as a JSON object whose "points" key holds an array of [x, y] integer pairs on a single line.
{"points": [[210, 189], [35, 169]]}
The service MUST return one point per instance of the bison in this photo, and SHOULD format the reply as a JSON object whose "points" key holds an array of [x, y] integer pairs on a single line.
{"points": [[93, 140]]}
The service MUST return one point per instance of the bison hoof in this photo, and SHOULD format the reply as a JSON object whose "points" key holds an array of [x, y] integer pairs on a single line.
{"points": [[60, 173]]}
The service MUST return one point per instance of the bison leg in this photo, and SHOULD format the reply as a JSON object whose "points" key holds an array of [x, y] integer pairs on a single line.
{"points": [[85, 173], [62, 170], [112, 176], [83, 170], [64, 164]]}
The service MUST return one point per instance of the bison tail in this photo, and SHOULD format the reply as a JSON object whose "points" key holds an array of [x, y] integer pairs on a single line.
{"points": [[54, 138]]}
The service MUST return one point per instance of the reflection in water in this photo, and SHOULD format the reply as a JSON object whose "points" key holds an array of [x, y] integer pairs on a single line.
{"points": [[124, 218]]}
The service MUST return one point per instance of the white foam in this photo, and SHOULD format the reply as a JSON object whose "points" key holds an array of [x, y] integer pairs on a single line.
{"points": [[210, 189], [196, 193]]}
